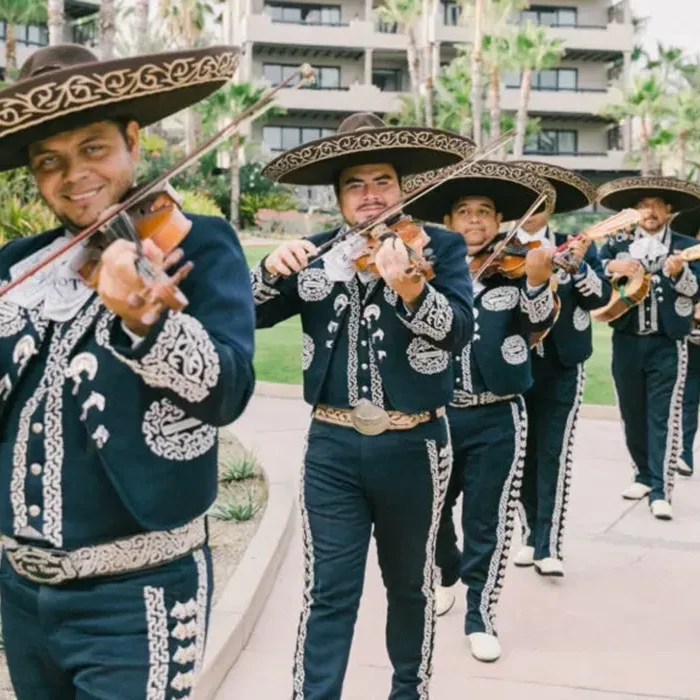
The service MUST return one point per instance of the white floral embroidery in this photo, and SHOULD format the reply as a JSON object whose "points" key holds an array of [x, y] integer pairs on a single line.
{"points": [[353, 339], [540, 308], [182, 681], [158, 650], [591, 284], [12, 318], [425, 358], [307, 351], [581, 319], [24, 349], [500, 299], [340, 303], [183, 358], [202, 606], [100, 436], [514, 350], [184, 656], [683, 306], [371, 313], [95, 400], [171, 434], [687, 283], [375, 378], [82, 362], [184, 611], [262, 292], [313, 284], [185, 630], [433, 317], [5, 387], [390, 296]]}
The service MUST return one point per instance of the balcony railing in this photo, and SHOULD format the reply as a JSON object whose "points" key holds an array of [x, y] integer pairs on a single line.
{"points": [[310, 24], [572, 154], [559, 89]]}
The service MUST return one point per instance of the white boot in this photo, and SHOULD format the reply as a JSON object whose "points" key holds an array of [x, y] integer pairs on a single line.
{"points": [[549, 566], [485, 647], [636, 491], [683, 468], [525, 557], [661, 510], [444, 600]]}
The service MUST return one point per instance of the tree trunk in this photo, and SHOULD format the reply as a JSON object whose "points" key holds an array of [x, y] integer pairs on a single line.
{"points": [[10, 49], [107, 29], [190, 131], [521, 124], [56, 21], [414, 72], [142, 15], [235, 180], [645, 146], [495, 107], [683, 148], [477, 106]]}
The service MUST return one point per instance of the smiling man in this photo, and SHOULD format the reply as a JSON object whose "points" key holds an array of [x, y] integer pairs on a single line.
{"points": [[376, 360], [650, 355], [109, 409]]}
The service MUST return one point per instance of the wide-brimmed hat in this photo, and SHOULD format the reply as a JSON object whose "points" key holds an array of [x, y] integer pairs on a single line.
{"points": [[573, 190], [627, 192], [687, 222], [64, 87], [513, 190], [361, 139]]}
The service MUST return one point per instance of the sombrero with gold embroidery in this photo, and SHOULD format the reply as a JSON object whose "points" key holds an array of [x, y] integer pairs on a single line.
{"points": [[64, 87], [513, 190], [573, 190], [687, 222], [362, 139], [629, 191]]}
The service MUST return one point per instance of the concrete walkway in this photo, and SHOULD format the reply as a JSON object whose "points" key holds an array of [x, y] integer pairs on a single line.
{"points": [[624, 622]]}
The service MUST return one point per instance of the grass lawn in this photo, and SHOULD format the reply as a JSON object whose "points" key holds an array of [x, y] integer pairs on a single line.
{"points": [[278, 355]]}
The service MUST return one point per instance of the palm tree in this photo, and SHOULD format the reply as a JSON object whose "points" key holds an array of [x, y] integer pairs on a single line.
{"points": [[108, 28], [15, 12], [56, 21], [684, 125], [453, 96], [477, 95], [532, 51], [406, 13], [142, 12], [228, 102]]}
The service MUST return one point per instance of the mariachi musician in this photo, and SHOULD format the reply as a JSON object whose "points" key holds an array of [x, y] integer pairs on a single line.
{"points": [[554, 400], [513, 299], [649, 352], [377, 341], [109, 404], [688, 224]]}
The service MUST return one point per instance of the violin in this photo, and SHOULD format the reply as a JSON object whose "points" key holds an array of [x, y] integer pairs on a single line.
{"points": [[413, 237]]}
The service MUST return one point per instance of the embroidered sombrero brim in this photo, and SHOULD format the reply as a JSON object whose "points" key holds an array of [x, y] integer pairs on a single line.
{"points": [[513, 191], [573, 190], [627, 192], [687, 222], [409, 149], [143, 88]]}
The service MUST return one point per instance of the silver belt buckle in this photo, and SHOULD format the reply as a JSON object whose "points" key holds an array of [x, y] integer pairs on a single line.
{"points": [[369, 419], [42, 566]]}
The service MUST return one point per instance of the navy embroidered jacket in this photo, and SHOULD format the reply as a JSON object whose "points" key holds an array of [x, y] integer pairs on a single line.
{"points": [[100, 439], [360, 342]]}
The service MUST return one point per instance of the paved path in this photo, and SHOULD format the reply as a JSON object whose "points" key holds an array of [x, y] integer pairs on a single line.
{"points": [[624, 623]]}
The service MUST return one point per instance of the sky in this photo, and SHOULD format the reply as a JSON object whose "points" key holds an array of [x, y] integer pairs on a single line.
{"points": [[672, 22]]}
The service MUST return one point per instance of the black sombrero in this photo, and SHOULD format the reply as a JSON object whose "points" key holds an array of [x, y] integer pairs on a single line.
{"points": [[364, 138], [573, 190], [687, 222], [65, 87], [628, 191], [513, 190]]}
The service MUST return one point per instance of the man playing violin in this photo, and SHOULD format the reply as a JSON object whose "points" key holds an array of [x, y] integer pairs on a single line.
{"points": [[558, 366], [376, 355], [110, 403], [650, 355], [488, 422]]}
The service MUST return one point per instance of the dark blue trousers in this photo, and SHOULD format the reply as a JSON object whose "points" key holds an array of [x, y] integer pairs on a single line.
{"points": [[489, 447], [649, 373], [691, 403], [138, 636], [553, 404], [396, 484]]}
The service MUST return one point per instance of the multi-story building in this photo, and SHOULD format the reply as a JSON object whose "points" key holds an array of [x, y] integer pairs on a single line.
{"points": [[80, 28], [362, 65]]}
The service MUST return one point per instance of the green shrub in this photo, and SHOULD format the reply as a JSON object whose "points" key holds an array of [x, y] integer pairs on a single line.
{"points": [[251, 202], [199, 203], [18, 219]]}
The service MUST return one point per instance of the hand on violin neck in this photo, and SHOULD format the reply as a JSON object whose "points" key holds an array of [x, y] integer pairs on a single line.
{"points": [[397, 271], [578, 247], [673, 265], [539, 266], [289, 257]]}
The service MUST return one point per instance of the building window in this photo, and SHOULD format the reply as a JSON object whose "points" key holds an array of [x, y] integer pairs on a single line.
{"points": [[282, 138], [551, 16], [387, 79], [451, 13], [553, 142], [29, 34], [564, 79], [85, 31], [303, 14], [615, 138], [327, 77]]}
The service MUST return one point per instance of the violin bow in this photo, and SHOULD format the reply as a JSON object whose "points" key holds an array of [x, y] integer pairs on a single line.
{"points": [[306, 74], [511, 234]]}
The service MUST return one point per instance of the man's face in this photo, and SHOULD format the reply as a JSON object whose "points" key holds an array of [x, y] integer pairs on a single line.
{"points": [[476, 219], [366, 190], [656, 215], [82, 172], [536, 222]]}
